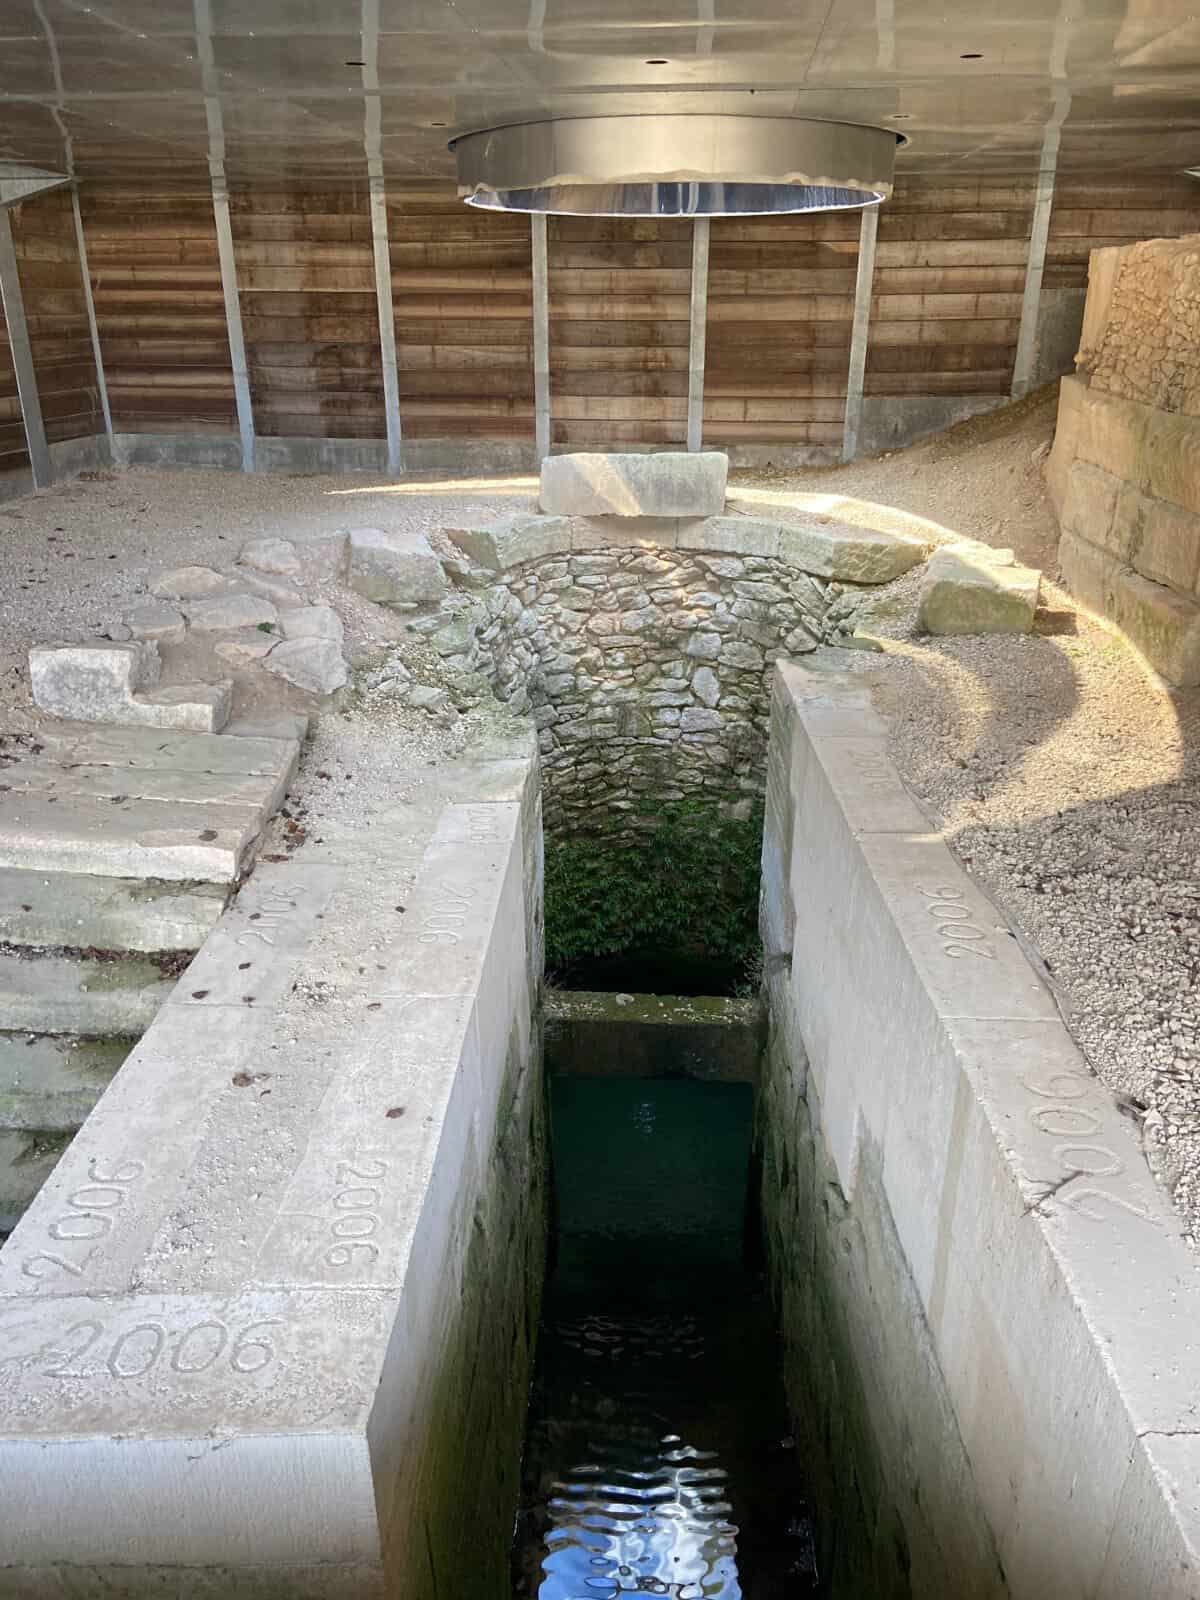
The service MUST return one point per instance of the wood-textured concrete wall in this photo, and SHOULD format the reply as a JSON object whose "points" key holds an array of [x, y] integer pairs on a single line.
{"points": [[56, 311], [156, 282], [946, 301]]}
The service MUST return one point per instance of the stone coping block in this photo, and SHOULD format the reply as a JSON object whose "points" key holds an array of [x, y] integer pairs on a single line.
{"points": [[672, 483], [817, 545], [1045, 1262], [229, 1370], [970, 591], [1162, 625]]}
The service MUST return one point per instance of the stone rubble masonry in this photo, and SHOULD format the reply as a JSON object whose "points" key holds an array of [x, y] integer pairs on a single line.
{"points": [[965, 1237], [643, 647], [116, 683], [267, 1326], [972, 589], [1124, 473], [671, 483]]}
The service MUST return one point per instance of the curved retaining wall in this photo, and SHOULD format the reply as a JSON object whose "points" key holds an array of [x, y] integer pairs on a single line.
{"points": [[644, 647], [989, 1312]]}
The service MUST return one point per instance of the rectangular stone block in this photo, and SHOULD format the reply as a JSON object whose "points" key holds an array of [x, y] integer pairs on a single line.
{"points": [[232, 1320], [667, 484], [1162, 543], [1163, 625], [511, 541], [1047, 1289], [738, 536], [83, 911], [1090, 507]]}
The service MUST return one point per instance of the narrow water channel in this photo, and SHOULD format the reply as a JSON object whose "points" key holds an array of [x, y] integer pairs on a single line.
{"points": [[658, 1458]]}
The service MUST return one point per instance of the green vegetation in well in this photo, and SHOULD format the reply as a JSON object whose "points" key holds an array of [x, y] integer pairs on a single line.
{"points": [[680, 880]]}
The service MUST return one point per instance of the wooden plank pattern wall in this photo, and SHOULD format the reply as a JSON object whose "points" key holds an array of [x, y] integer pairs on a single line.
{"points": [[306, 281], [13, 454], [949, 275], [156, 282], [780, 312], [56, 311], [620, 301], [462, 298], [1088, 214]]}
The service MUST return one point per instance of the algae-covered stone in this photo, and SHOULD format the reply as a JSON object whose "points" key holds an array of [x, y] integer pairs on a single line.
{"points": [[831, 549], [965, 591]]}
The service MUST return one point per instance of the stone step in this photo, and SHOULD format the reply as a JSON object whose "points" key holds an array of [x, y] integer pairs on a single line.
{"points": [[78, 742], [71, 994], [106, 782], [50, 1084], [85, 912], [136, 839], [26, 1161], [118, 683]]}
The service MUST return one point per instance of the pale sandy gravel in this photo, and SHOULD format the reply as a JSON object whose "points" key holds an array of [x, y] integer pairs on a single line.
{"points": [[73, 557], [1063, 771]]}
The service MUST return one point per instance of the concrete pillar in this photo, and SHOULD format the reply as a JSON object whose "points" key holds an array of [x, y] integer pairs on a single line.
{"points": [[699, 333], [541, 335], [858, 338], [22, 356]]}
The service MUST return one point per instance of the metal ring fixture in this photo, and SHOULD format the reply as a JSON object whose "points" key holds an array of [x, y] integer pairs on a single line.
{"points": [[676, 166]]}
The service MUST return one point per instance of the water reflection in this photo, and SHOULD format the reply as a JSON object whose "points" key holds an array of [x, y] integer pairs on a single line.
{"points": [[657, 1457]]}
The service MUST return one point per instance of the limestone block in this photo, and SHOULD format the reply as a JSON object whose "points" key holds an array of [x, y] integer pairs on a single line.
{"points": [[669, 484], [153, 620], [395, 568], [50, 1084], [190, 583], [91, 682], [86, 912], [616, 533], [1090, 505], [230, 611], [198, 707], [65, 994], [510, 541], [1104, 265], [25, 1164], [1163, 625], [271, 555], [831, 549], [961, 593], [278, 591], [312, 622], [1164, 543], [749, 535], [314, 664]]}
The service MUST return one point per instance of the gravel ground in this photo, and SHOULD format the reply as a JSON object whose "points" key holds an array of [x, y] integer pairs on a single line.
{"points": [[1064, 773]]}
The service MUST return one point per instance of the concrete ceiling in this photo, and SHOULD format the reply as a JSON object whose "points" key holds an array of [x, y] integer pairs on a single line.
{"points": [[144, 89]]}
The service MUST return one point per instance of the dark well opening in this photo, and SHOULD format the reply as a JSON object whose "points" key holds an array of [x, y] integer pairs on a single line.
{"points": [[658, 1453], [663, 900]]}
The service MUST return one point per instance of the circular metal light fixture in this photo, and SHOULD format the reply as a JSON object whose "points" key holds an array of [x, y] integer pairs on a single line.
{"points": [[677, 166]]}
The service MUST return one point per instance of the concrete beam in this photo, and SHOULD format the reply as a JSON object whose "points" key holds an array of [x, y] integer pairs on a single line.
{"points": [[1048, 1299], [698, 333], [246, 1321], [863, 283], [21, 351], [541, 335]]}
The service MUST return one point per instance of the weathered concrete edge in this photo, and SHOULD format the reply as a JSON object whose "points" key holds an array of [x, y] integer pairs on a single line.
{"points": [[1052, 1246], [324, 1517]]}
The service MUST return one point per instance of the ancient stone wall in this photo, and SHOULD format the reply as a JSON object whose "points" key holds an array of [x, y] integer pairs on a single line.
{"points": [[647, 666], [1124, 473]]}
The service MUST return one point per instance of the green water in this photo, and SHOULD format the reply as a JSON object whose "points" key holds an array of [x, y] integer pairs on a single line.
{"points": [[658, 1459]]}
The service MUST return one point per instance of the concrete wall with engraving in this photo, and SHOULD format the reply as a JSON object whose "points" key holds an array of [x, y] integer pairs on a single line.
{"points": [[988, 1309]]}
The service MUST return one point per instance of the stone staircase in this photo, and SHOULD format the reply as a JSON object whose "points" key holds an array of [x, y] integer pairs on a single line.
{"points": [[119, 848]]}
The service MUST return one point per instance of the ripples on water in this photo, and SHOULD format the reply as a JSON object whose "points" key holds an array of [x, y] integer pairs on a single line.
{"points": [[657, 1457]]}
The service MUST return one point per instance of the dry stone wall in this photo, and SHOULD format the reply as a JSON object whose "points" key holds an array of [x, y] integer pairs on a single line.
{"points": [[645, 667]]}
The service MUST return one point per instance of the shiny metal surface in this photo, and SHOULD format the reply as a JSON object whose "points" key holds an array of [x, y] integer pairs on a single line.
{"points": [[974, 84], [676, 166]]}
